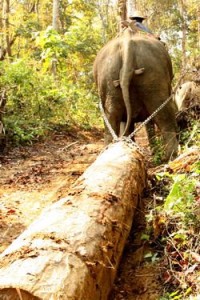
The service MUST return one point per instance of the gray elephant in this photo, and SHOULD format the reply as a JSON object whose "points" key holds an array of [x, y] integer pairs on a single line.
{"points": [[129, 95]]}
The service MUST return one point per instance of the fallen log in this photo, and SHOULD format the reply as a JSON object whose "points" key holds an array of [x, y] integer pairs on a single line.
{"points": [[73, 249]]}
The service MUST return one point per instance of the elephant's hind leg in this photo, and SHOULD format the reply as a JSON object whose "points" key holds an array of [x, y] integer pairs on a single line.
{"points": [[167, 124], [113, 113], [151, 133]]}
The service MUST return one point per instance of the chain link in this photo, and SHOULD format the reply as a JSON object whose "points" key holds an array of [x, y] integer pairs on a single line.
{"points": [[129, 138], [112, 132], [151, 116], [160, 107], [129, 141], [126, 139]]}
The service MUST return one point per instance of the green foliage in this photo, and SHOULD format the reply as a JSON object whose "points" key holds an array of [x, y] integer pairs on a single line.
{"points": [[52, 44], [179, 295], [153, 257], [158, 150], [173, 227], [70, 98], [181, 200], [177, 24], [36, 103], [181, 194], [191, 136]]}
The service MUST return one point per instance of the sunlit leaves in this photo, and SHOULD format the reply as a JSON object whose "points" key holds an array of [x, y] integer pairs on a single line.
{"points": [[52, 45], [165, 19], [84, 27], [181, 195]]}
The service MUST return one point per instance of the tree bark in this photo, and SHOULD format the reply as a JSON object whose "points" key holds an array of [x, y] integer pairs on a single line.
{"points": [[55, 14], [198, 36], [55, 25], [184, 33], [3, 99], [73, 249], [5, 43], [103, 9], [122, 12]]}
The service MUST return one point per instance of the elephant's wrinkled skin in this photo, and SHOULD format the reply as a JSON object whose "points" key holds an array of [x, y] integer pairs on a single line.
{"points": [[129, 97]]}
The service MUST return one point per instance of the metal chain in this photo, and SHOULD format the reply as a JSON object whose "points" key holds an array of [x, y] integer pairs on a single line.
{"points": [[129, 138], [151, 116], [160, 107], [115, 137], [112, 132]]}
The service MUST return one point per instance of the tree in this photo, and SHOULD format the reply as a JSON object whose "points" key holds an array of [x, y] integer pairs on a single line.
{"points": [[55, 25], [56, 13], [122, 11], [67, 51], [103, 8], [183, 28], [6, 41]]}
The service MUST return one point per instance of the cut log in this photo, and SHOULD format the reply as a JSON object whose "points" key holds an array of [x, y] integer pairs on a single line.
{"points": [[73, 249]]}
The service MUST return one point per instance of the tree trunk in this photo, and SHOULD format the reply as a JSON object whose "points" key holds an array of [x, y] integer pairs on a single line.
{"points": [[103, 7], [184, 32], [198, 36], [73, 249], [3, 99], [55, 17], [55, 25], [5, 44], [6, 39], [122, 11]]}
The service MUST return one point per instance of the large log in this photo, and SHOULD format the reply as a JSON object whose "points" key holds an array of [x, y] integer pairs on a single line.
{"points": [[73, 249]]}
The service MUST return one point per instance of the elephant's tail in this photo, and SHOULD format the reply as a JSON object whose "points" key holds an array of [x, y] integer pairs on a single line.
{"points": [[126, 97], [126, 75]]}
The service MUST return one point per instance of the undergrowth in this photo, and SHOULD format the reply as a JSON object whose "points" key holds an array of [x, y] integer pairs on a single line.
{"points": [[37, 103], [173, 224]]}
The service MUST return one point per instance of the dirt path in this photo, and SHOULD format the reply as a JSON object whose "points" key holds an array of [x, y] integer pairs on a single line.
{"points": [[34, 177]]}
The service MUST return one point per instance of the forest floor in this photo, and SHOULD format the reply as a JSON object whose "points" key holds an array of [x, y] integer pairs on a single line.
{"points": [[33, 177]]}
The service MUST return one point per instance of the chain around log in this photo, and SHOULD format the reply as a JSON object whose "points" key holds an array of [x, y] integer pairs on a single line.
{"points": [[128, 139]]}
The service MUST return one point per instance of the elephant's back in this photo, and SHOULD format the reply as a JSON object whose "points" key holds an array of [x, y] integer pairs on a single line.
{"points": [[152, 55], [107, 62]]}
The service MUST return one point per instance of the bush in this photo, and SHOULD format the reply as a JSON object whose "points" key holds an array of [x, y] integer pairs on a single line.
{"points": [[37, 103]]}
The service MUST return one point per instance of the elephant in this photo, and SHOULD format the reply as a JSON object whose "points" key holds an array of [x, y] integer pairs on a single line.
{"points": [[133, 73]]}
